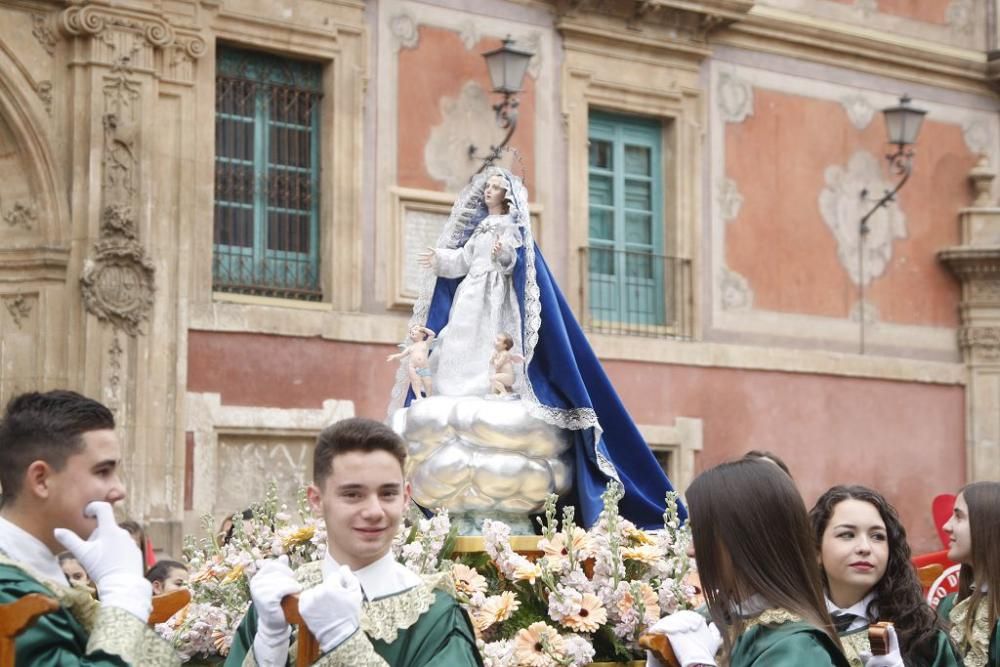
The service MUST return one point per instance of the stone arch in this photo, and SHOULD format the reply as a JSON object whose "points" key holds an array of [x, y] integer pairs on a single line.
{"points": [[33, 204]]}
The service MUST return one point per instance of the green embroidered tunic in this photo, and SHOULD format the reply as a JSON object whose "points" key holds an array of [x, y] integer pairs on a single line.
{"points": [[943, 654], [982, 649], [416, 627], [81, 631], [777, 638]]}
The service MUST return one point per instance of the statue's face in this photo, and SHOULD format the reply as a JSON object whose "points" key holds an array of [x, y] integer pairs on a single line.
{"points": [[495, 191]]}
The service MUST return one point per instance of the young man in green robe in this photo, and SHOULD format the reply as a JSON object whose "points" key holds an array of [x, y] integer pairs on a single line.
{"points": [[363, 607], [59, 461]]}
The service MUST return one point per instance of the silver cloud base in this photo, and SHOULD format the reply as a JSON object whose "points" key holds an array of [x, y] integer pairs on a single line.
{"points": [[482, 456]]}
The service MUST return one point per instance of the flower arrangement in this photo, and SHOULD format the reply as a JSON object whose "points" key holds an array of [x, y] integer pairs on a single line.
{"points": [[221, 571], [586, 596]]}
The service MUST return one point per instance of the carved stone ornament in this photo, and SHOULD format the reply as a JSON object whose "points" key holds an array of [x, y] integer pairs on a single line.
{"points": [[859, 110], [117, 282], [866, 7], [44, 90], [22, 215], [405, 31], [842, 208], [977, 136], [735, 98], [983, 342], [734, 291], [730, 200], [19, 308], [94, 20], [43, 32], [960, 16]]}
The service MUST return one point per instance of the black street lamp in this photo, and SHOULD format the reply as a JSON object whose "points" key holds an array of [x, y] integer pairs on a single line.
{"points": [[902, 124], [507, 66]]}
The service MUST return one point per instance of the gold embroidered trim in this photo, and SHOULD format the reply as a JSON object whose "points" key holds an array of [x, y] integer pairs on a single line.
{"points": [[772, 617], [383, 619], [854, 644], [77, 601], [119, 632], [310, 574], [975, 649], [357, 651]]}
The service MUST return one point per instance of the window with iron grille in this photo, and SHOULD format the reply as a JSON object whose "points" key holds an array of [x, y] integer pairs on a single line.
{"points": [[266, 238], [625, 264]]}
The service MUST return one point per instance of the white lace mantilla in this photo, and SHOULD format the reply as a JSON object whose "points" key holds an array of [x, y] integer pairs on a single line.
{"points": [[466, 214]]}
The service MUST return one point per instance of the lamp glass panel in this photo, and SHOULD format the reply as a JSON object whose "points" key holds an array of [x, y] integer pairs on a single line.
{"points": [[516, 66], [902, 124], [495, 64]]}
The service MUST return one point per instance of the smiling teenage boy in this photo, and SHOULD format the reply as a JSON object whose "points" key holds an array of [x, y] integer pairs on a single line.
{"points": [[363, 607], [59, 462]]}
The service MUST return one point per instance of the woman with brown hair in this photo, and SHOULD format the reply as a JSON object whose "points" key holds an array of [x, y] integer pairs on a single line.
{"points": [[757, 564], [868, 577], [974, 611]]}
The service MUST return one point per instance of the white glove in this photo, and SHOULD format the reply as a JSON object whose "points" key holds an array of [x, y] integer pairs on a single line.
{"points": [[332, 610], [891, 659], [273, 581], [694, 641], [113, 562]]}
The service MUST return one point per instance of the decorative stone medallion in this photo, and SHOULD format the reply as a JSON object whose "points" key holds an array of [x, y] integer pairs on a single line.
{"points": [[117, 282]]}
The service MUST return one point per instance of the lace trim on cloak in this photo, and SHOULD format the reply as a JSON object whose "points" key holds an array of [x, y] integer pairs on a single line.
{"points": [[457, 231]]}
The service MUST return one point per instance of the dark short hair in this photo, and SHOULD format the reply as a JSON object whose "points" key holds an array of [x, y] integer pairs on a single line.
{"points": [[65, 556], [161, 570], [356, 434], [45, 427]]}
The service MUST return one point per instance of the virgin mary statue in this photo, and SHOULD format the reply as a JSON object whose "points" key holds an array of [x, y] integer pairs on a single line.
{"points": [[471, 451]]}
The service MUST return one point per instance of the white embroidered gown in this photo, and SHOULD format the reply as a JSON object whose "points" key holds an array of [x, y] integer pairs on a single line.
{"points": [[485, 305]]}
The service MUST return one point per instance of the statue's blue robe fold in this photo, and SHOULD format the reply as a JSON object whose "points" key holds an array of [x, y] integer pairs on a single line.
{"points": [[565, 373]]}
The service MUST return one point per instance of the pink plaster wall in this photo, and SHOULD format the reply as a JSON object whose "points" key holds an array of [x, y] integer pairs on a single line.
{"points": [[928, 11], [779, 241], [439, 67], [905, 439]]}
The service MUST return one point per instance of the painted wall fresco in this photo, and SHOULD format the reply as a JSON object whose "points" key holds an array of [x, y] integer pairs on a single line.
{"points": [[443, 91], [799, 164]]}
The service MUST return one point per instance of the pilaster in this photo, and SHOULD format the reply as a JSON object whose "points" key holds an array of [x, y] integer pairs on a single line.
{"points": [[977, 264]]}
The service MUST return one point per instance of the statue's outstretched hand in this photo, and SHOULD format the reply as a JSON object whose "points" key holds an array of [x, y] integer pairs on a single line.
{"points": [[427, 258]]}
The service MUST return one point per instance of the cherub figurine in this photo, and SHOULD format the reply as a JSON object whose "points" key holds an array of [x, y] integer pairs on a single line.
{"points": [[417, 366], [502, 363]]}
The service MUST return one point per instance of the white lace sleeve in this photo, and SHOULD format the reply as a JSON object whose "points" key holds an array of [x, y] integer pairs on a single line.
{"points": [[452, 262]]}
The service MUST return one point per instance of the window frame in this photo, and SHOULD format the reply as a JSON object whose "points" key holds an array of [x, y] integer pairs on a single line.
{"points": [[622, 130], [263, 72]]}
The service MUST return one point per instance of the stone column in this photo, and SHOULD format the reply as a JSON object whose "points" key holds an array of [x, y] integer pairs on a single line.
{"points": [[130, 83], [977, 264]]}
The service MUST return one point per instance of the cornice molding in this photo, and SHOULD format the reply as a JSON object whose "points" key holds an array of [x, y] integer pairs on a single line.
{"points": [[797, 35]]}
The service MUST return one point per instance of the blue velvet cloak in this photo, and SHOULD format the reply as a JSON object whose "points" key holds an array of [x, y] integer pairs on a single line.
{"points": [[565, 373]]}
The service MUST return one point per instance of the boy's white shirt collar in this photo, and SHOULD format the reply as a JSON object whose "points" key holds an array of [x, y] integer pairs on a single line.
{"points": [[859, 609], [380, 579], [23, 547]]}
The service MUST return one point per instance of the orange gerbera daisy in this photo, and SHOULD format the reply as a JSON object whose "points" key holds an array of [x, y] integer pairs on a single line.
{"points": [[538, 645], [467, 581], [591, 615]]}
